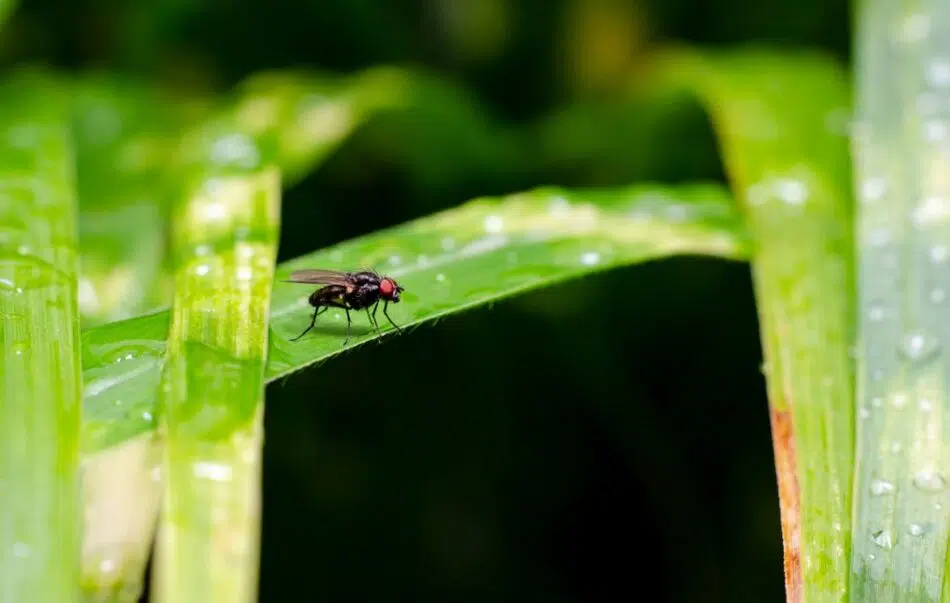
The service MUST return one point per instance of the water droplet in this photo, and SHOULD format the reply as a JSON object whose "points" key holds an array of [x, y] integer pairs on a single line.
{"points": [[235, 148], [873, 189], [879, 237], [677, 212], [915, 529], [935, 130], [422, 260], [156, 474], [939, 254], [146, 415], [879, 487], [929, 481], [836, 526], [925, 405], [896, 447], [938, 295], [871, 556], [898, 400], [21, 550], [448, 244], [244, 273], [215, 210], [791, 191], [107, 566], [559, 207], [931, 210], [440, 277], [917, 345], [938, 73], [864, 413], [876, 401], [202, 269], [395, 260], [883, 539], [214, 471], [203, 250], [876, 313], [590, 258], [494, 224]]}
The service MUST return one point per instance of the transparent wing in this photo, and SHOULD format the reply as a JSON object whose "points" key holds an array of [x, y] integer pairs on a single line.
{"points": [[319, 277]]}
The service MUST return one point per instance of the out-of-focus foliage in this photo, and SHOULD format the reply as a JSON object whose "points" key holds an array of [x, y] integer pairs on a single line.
{"points": [[524, 452], [40, 370]]}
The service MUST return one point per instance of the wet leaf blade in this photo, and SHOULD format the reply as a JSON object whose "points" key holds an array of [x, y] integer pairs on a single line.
{"points": [[902, 504], [40, 376], [211, 405], [780, 118], [483, 251], [123, 132]]}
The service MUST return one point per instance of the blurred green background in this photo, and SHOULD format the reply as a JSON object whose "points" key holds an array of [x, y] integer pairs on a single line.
{"points": [[590, 442]]}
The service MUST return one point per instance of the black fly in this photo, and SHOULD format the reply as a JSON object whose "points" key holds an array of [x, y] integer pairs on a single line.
{"points": [[350, 291]]}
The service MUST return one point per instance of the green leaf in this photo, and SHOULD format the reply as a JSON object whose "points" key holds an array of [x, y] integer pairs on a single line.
{"points": [[902, 503], [780, 119], [481, 252], [40, 387], [224, 241]]}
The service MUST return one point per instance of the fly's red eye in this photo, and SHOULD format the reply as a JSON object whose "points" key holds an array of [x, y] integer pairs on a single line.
{"points": [[386, 287]]}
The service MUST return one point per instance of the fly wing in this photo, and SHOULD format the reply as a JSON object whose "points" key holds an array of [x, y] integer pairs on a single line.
{"points": [[319, 277]]}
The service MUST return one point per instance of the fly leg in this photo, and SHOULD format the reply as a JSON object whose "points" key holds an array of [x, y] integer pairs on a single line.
{"points": [[348, 321], [372, 320], [346, 308], [316, 312], [386, 314]]}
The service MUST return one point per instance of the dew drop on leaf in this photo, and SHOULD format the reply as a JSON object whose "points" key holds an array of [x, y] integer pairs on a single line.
{"points": [[590, 258], [21, 550], [879, 487], [929, 481], [883, 539], [917, 345]]}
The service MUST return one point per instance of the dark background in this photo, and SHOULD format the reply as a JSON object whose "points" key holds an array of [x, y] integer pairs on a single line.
{"points": [[603, 440]]}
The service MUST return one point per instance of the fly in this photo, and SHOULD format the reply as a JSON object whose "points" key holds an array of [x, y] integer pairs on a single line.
{"points": [[350, 291]]}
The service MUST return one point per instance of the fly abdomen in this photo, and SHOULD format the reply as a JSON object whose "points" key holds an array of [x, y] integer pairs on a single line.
{"points": [[322, 296]]}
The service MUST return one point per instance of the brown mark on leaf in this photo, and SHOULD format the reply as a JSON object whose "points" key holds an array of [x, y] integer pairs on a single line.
{"points": [[789, 501]]}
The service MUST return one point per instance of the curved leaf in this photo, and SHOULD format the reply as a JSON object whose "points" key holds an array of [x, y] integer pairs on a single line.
{"points": [[480, 252], [780, 117]]}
